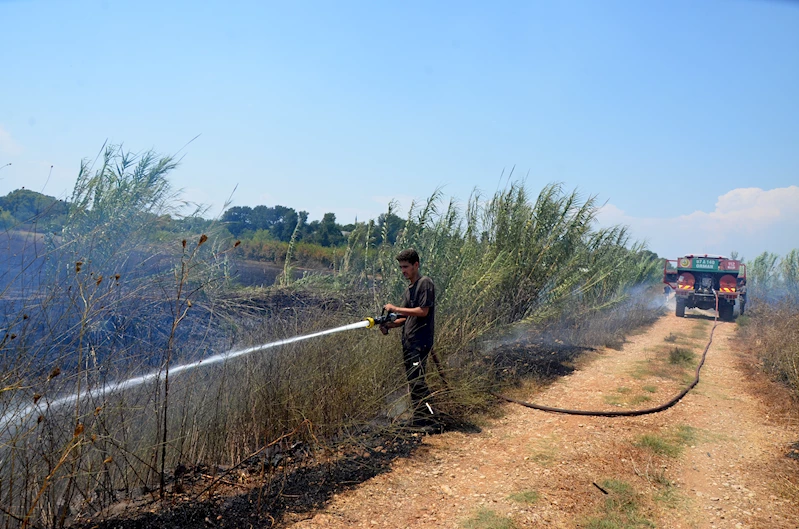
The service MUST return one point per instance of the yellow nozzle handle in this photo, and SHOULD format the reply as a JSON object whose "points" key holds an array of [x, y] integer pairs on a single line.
{"points": [[371, 322]]}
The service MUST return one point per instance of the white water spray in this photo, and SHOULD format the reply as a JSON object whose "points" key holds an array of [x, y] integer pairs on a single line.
{"points": [[113, 387]]}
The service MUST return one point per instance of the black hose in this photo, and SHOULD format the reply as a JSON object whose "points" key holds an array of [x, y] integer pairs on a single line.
{"points": [[630, 413]]}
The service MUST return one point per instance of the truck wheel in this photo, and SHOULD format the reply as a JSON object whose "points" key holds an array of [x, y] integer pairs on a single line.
{"points": [[680, 312]]}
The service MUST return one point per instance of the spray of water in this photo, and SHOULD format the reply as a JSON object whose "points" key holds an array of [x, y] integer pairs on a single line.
{"points": [[114, 387]]}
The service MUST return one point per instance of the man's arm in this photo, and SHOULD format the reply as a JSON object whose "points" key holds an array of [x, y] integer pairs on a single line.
{"points": [[419, 312]]}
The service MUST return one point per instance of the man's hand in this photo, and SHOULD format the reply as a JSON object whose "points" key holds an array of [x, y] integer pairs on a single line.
{"points": [[388, 307], [383, 328]]}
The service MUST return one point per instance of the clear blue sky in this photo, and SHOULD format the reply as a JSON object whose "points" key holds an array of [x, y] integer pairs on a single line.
{"points": [[683, 116]]}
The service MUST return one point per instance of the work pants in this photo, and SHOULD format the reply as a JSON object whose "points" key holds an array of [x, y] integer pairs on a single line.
{"points": [[415, 359]]}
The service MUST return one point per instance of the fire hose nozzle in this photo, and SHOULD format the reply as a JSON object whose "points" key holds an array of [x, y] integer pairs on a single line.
{"points": [[380, 320]]}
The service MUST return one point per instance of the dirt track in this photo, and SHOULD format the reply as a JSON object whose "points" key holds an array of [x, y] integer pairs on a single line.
{"points": [[716, 459]]}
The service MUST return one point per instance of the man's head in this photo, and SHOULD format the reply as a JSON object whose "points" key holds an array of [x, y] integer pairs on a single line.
{"points": [[409, 264]]}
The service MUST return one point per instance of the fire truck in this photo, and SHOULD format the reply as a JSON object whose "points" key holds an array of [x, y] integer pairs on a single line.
{"points": [[707, 282]]}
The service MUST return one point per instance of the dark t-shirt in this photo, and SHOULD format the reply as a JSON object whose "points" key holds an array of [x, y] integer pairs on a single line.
{"points": [[417, 331]]}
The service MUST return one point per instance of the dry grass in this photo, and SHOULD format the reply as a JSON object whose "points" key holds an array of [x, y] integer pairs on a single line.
{"points": [[118, 303], [771, 332], [766, 360]]}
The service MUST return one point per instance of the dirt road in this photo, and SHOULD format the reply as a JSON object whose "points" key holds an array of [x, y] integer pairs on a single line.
{"points": [[716, 459]]}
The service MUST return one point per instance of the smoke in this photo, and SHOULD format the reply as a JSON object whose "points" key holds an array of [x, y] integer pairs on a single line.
{"points": [[580, 327]]}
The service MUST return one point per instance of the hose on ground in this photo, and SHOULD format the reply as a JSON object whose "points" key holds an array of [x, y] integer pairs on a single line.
{"points": [[626, 413]]}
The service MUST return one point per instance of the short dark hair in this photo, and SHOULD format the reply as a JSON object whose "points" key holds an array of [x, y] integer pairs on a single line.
{"points": [[408, 256]]}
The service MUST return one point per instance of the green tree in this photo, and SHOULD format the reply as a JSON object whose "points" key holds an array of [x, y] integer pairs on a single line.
{"points": [[29, 207], [279, 221], [391, 225], [6, 220], [283, 222], [261, 218], [328, 233], [237, 219]]}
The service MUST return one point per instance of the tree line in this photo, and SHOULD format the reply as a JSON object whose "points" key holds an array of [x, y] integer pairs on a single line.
{"points": [[280, 223], [26, 209]]}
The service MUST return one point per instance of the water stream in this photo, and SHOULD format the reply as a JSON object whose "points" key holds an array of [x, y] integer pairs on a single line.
{"points": [[113, 387]]}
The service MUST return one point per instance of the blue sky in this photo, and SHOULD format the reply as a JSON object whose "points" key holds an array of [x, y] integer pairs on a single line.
{"points": [[682, 117]]}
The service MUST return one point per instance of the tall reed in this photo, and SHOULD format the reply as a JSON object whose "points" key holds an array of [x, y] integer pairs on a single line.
{"points": [[504, 261], [98, 303], [771, 326], [107, 300]]}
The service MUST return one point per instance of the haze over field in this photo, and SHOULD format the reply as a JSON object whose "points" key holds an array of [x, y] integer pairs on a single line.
{"points": [[682, 117]]}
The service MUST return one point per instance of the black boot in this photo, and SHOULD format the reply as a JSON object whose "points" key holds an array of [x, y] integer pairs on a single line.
{"points": [[424, 419]]}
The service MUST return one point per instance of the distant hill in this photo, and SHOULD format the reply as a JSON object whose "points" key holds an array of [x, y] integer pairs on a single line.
{"points": [[24, 207]]}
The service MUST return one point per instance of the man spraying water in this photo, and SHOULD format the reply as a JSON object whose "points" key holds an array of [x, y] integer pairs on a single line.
{"points": [[416, 316]]}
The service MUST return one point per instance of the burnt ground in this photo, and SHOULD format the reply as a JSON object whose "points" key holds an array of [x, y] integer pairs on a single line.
{"points": [[537, 356], [793, 451], [261, 491], [248, 272], [279, 302], [257, 493]]}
